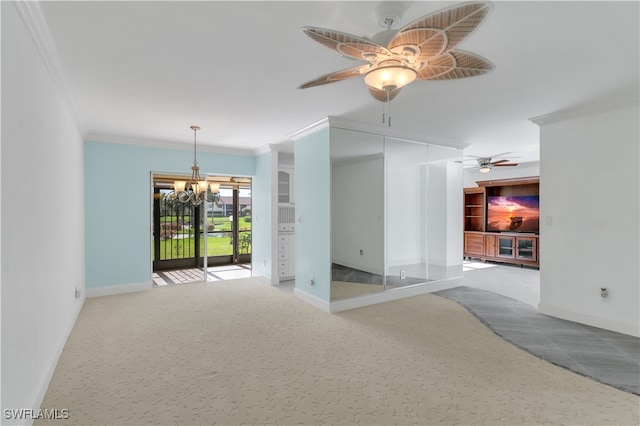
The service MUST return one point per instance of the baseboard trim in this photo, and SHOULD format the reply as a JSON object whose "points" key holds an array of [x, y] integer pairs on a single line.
{"points": [[47, 375], [119, 289], [312, 300], [395, 294], [590, 319]]}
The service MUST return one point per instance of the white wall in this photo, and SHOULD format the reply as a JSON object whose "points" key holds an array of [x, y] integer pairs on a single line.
{"points": [[455, 232], [42, 219], [437, 217], [445, 234], [589, 215]]}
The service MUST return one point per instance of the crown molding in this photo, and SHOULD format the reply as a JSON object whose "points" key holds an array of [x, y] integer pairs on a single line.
{"points": [[264, 149], [286, 146], [154, 143], [343, 123], [310, 129], [585, 110], [36, 24], [392, 132]]}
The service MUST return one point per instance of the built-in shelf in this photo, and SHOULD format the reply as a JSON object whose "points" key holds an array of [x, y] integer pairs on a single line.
{"points": [[509, 247]]}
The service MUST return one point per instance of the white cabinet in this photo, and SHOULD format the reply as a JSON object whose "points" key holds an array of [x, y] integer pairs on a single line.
{"points": [[286, 223], [285, 186], [286, 255]]}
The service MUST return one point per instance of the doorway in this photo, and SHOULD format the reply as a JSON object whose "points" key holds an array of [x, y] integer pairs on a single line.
{"points": [[215, 233]]}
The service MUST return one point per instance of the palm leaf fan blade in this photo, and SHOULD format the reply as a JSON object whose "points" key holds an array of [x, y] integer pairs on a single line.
{"points": [[335, 76], [456, 21], [430, 42], [465, 65], [346, 44]]}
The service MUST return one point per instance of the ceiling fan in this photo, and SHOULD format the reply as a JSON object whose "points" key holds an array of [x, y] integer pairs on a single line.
{"points": [[485, 164], [421, 50]]}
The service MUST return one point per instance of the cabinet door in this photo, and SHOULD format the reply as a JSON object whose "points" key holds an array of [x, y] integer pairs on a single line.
{"points": [[527, 248], [490, 245], [473, 244], [284, 186], [506, 247]]}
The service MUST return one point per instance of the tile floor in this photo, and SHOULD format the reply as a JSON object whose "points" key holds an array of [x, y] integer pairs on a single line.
{"points": [[180, 276], [606, 356], [505, 298]]}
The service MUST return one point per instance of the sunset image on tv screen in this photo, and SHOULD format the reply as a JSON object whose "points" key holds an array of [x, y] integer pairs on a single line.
{"points": [[516, 214]]}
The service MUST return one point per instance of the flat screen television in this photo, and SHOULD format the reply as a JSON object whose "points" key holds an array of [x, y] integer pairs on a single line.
{"points": [[519, 213]]}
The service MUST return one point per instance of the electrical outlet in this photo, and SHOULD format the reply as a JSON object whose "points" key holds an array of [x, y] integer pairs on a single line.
{"points": [[78, 293], [402, 275], [361, 252], [311, 281]]}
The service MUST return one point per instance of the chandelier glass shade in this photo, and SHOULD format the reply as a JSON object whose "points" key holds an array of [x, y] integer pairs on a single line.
{"points": [[390, 75]]}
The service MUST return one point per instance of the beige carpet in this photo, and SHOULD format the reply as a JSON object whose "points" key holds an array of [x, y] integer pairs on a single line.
{"points": [[345, 290], [238, 352]]}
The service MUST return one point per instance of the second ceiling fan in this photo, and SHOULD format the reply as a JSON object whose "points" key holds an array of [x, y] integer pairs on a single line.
{"points": [[485, 164]]}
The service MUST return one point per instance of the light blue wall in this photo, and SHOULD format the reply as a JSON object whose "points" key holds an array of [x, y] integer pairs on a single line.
{"points": [[261, 213], [313, 196], [118, 204]]}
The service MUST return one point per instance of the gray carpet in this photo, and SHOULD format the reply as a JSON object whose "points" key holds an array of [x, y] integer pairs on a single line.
{"points": [[606, 356]]}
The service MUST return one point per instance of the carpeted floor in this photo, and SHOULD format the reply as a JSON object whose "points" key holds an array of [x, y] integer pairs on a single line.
{"points": [[240, 351]]}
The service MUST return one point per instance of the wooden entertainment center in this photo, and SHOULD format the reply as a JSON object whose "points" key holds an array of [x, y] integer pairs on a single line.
{"points": [[510, 247]]}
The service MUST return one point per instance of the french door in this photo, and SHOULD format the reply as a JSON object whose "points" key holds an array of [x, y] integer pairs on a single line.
{"points": [[179, 230]]}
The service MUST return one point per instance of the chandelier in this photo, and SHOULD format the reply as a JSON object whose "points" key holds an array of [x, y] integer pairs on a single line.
{"points": [[194, 190]]}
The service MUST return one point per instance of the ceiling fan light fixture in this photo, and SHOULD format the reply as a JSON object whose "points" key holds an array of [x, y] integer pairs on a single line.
{"points": [[485, 169], [390, 77]]}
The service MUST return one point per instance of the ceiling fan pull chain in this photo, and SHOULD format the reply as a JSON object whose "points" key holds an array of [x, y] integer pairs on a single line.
{"points": [[388, 109], [383, 111]]}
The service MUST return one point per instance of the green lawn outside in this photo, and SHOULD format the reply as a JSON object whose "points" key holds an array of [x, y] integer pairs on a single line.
{"points": [[224, 224], [216, 246], [219, 223]]}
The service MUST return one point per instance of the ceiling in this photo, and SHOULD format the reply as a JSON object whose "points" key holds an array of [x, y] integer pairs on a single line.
{"points": [[148, 70]]}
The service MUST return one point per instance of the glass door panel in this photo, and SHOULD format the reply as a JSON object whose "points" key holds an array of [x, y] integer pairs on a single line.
{"points": [[357, 213], [406, 178], [505, 247], [526, 248], [229, 225]]}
